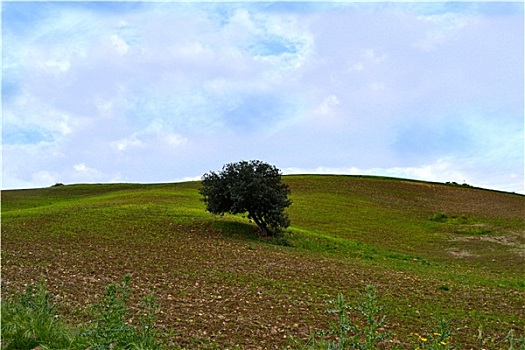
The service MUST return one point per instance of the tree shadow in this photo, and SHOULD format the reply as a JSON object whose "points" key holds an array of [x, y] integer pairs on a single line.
{"points": [[237, 229], [247, 232]]}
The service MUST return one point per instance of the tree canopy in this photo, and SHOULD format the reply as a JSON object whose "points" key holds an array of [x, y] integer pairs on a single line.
{"points": [[252, 187]]}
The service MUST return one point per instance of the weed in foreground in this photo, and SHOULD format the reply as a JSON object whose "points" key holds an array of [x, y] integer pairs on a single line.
{"points": [[511, 340], [344, 334], [32, 321], [112, 328], [515, 343], [438, 339]]}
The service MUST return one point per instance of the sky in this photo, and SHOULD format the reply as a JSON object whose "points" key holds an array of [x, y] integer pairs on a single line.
{"points": [[150, 92]]}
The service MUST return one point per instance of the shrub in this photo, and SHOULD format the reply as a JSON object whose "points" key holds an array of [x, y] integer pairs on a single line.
{"points": [[450, 219], [439, 217]]}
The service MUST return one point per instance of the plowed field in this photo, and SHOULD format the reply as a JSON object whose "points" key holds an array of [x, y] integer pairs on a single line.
{"points": [[220, 285]]}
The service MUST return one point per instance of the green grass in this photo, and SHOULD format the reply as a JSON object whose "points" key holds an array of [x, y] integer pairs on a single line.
{"points": [[399, 219], [432, 250], [32, 320]]}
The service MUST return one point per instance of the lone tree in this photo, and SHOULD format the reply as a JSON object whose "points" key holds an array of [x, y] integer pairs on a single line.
{"points": [[252, 187]]}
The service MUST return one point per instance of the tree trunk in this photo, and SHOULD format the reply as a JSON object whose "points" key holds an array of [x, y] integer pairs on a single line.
{"points": [[262, 225]]}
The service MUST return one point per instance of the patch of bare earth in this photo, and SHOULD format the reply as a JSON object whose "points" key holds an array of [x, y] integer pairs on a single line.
{"points": [[513, 241], [459, 253]]}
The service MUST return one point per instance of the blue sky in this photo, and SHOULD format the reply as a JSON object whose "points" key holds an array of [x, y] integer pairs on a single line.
{"points": [[166, 91]]}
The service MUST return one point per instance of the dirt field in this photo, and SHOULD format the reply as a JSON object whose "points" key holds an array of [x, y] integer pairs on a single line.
{"points": [[219, 289]]}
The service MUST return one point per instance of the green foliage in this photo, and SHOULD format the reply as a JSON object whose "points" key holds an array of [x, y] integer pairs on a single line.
{"points": [[444, 287], [112, 327], [252, 187], [345, 334], [450, 219], [31, 321]]}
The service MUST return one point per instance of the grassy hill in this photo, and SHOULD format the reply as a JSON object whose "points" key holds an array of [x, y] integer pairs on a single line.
{"points": [[431, 250]]}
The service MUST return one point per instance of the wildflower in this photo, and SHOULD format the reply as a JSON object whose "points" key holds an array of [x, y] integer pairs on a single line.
{"points": [[437, 334], [443, 343]]}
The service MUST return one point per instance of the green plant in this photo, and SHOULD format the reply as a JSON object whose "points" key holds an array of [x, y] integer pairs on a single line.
{"points": [[450, 219], [30, 320], [439, 217], [345, 334], [438, 339], [515, 343], [444, 287], [112, 327], [147, 334]]}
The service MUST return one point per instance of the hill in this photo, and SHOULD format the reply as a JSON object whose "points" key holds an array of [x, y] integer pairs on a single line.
{"points": [[432, 251]]}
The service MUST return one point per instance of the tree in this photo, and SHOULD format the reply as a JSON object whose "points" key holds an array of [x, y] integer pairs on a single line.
{"points": [[252, 187]]}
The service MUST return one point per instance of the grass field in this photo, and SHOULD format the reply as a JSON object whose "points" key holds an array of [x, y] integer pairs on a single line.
{"points": [[431, 250]]}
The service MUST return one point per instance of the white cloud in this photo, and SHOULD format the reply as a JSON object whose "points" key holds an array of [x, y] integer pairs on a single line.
{"points": [[441, 170], [373, 57], [119, 44], [126, 143], [358, 67], [377, 86], [30, 116], [442, 28], [62, 65], [328, 105], [82, 169], [43, 178], [175, 139], [367, 58], [149, 138]]}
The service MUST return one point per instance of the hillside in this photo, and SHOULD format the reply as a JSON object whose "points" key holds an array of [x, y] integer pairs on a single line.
{"points": [[431, 250]]}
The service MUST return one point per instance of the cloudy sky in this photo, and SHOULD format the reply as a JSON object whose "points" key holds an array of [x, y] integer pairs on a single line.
{"points": [[166, 91]]}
